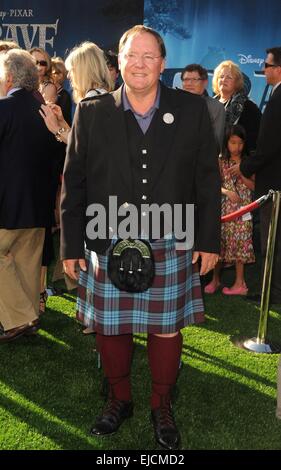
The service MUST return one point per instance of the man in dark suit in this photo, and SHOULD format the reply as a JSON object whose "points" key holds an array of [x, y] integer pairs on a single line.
{"points": [[266, 164], [25, 208], [195, 80], [144, 144]]}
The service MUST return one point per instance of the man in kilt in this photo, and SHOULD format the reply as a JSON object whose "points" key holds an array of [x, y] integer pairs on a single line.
{"points": [[143, 143]]}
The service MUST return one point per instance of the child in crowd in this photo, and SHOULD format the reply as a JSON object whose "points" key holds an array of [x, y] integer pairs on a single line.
{"points": [[236, 235]]}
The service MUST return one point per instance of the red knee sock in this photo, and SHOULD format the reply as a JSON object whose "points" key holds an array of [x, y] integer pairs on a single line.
{"points": [[164, 358], [116, 356]]}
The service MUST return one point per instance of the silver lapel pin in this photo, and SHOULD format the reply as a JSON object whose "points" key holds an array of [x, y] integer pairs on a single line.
{"points": [[168, 118]]}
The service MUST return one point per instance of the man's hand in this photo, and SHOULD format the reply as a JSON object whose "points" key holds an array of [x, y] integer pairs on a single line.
{"points": [[208, 261], [71, 266]]}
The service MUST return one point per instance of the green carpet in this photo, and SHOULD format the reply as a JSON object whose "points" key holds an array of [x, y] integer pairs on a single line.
{"points": [[225, 397]]}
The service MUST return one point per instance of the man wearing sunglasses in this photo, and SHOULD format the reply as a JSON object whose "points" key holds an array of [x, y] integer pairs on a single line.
{"points": [[266, 164]]}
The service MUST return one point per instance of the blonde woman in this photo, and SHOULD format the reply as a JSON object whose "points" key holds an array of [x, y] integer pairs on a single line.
{"points": [[88, 75], [44, 67], [228, 85]]}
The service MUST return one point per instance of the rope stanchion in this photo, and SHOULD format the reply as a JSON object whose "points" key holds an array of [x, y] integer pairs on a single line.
{"points": [[249, 208], [259, 344]]}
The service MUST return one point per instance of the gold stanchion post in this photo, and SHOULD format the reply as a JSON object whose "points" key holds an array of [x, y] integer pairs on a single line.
{"points": [[259, 344]]}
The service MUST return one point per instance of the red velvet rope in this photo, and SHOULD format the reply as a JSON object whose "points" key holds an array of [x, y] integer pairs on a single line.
{"points": [[249, 208]]}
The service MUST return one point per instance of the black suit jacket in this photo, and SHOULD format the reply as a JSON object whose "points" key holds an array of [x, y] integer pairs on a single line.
{"points": [[183, 169], [250, 119], [65, 102], [266, 164], [26, 149]]}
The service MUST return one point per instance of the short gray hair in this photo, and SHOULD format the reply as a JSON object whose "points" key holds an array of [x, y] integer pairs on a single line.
{"points": [[140, 29], [22, 67]]}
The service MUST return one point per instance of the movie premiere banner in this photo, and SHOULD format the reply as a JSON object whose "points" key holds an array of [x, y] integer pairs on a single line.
{"points": [[202, 31], [210, 31], [58, 25]]}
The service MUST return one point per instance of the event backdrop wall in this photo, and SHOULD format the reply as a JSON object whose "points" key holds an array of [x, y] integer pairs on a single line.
{"points": [[58, 25], [210, 31], [202, 31]]}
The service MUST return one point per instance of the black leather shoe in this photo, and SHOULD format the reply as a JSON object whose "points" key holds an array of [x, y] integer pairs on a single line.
{"points": [[113, 416], [14, 333], [165, 429]]}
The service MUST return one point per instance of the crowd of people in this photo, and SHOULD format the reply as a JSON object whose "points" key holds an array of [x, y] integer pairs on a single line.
{"points": [[145, 144]]}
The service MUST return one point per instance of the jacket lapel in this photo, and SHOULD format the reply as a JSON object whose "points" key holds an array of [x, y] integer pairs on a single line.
{"points": [[165, 132], [119, 141]]}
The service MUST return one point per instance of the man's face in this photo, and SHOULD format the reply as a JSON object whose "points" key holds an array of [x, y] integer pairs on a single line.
{"points": [[193, 83], [272, 74], [141, 63]]}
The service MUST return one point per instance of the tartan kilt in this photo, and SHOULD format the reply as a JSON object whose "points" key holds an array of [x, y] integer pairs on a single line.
{"points": [[172, 302]]}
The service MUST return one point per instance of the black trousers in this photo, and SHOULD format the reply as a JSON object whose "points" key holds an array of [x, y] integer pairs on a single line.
{"points": [[265, 216]]}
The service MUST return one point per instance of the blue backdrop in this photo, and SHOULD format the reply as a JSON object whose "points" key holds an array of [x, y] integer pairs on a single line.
{"points": [[210, 31], [58, 25], [202, 31]]}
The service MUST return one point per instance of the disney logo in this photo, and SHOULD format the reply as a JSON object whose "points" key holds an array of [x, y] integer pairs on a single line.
{"points": [[249, 59]]}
